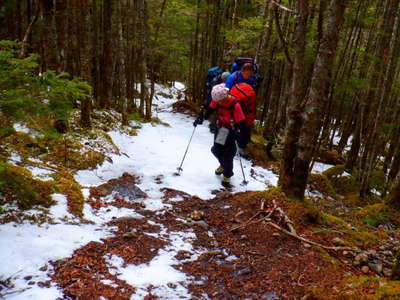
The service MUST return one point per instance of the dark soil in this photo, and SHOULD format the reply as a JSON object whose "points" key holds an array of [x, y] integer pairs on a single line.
{"points": [[254, 262]]}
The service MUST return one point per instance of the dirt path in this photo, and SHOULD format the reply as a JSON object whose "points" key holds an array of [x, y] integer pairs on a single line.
{"points": [[187, 250]]}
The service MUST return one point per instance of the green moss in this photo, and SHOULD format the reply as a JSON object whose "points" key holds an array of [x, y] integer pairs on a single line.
{"points": [[335, 171], [374, 214], [321, 183], [352, 199], [358, 287], [354, 236], [327, 257], [331, 157], [341, 184], [69, 187], [333, 221], [378, 180], [257, 150], [136, 117], [70, 155], [364, 239], [18, 187]]}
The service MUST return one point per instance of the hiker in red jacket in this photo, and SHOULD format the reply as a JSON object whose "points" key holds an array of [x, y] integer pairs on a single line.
{"points": [[231, 121], [246, 96]]}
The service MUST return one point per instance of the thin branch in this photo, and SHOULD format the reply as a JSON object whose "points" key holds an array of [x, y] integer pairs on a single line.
{"points": [[281, 37], [27, 34], [291, 11]]}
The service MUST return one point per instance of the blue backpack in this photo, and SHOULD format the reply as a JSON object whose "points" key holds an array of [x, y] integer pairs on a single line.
{"points": [[240, 61], [213, 78]]}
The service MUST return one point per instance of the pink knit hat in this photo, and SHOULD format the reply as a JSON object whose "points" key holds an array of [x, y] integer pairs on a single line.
{"points": [[219, 92]]}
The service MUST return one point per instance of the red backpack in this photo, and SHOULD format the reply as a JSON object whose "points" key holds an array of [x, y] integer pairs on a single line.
{"points": [[246, 96]]}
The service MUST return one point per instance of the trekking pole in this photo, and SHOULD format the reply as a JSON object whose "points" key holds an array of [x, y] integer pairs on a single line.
{"points": [[244, 182], [184, 156]]}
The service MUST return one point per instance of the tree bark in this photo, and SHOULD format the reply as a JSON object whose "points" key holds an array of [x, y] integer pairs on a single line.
{"points": [[318, 94], [294, 120]]}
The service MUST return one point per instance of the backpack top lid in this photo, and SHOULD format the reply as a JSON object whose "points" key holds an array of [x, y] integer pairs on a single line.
{"points": [[213, 72], [240, 61], [244, 60]]}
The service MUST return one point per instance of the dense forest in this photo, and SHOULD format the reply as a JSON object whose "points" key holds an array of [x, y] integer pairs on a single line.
{"points": [[330, 90], [330, 68]]}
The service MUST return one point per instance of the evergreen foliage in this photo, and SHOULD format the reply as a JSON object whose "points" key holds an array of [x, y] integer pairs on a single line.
{"points": [[26, 95]]}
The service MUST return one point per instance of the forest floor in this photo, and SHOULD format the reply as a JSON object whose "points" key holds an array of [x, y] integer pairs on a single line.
{"points": [[148, 234]]}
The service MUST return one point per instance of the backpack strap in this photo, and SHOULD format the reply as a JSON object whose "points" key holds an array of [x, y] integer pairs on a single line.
{"points": [[235, 79]]}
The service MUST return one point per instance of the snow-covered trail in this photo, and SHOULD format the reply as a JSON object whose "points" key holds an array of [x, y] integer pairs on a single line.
{"points": [[158, 150], [153, 156]]}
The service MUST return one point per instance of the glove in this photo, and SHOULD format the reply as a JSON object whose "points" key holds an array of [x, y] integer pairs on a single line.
{"points": [[198, 121]]}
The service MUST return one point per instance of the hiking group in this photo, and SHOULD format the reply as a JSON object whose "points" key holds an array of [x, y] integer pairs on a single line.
{"points": [[231, 108]]}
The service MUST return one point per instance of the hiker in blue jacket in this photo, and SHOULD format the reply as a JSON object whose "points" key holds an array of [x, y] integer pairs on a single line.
{"points": [[246, 74]]}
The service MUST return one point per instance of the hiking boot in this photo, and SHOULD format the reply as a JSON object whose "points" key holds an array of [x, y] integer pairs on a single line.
{"points": [[226, 182], [219, 170]]}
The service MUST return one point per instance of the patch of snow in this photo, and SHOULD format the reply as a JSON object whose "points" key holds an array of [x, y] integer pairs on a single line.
{"points": [[108, 213], [320, 167], [35, 292], [231, 258], [376, 192], [176, 199], [315, 194], [15, 158], [158, 150], [143, 276], [40, 173], [179, 85], [336, 138], [59, 210], [109, 282], [20, 127], [30, 247]]}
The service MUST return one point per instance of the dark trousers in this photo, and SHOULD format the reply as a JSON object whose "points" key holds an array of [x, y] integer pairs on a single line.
{"points": [[245, 137], [213, 122], [225, 153]]}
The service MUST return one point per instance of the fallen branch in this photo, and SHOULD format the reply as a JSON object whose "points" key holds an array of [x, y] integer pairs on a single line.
{"points": [[14, 292], [248, 222], [300, 238]]}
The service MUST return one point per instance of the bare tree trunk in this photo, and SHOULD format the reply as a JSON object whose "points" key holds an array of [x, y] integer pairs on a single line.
{"points": [[318, 94], [106, 61], [122, 64], [82, 29], [294, 120]]}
